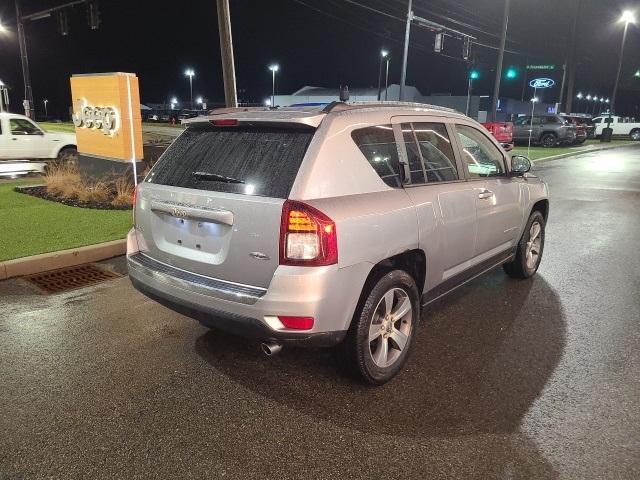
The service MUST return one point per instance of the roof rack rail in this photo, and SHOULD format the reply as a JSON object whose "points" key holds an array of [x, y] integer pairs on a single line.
{"points": [[342, 106]]}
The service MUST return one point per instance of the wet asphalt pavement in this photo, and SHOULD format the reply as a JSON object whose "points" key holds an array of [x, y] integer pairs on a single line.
{"points": [[509, 379]]}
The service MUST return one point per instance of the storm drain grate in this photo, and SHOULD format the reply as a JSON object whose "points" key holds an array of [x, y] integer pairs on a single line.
{"points": [[66, 279]]}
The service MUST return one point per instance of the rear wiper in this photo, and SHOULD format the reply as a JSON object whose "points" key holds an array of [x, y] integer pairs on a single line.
{"points": [[214, 177]]}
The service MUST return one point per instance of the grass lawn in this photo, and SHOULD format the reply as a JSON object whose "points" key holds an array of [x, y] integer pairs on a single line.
{"points": [[31, 225], [542, 152], [58, 127]]}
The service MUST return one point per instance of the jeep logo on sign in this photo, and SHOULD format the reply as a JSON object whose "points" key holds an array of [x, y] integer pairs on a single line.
{"points": [[100, 118], [541, 83]]}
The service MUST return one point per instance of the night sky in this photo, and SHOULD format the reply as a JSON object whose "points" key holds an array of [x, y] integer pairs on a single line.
{"points": [[315, 42]]}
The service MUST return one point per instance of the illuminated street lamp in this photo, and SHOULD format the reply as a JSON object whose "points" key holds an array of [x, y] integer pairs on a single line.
{"points": [[589, 97], [46, 114], [267, 102], [274, 68], [637, 74], [173, 102], [190, 73], [2, 27], [627, 17]]}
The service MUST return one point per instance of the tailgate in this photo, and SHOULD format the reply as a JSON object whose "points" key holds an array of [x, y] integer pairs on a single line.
{"points": [[212, 204], [221, 235]]}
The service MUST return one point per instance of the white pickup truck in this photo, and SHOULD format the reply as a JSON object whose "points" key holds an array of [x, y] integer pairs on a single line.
{"points": [[620, 126], [22, 138]]}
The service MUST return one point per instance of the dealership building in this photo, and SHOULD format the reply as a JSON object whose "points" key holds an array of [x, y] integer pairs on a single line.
{"points": [[479, 105]]}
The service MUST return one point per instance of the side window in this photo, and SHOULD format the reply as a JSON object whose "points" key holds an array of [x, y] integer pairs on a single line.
{"points": [[597, 120], [379, 147], [480, 156], [522, 121], [19, 126], [437, 152]]}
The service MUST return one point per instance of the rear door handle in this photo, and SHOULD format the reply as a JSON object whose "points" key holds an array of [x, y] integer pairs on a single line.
{"points": [[485, 194]]}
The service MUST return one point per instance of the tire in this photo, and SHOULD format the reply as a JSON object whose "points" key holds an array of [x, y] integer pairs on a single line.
{"points": [[524, 266], [373, 347], [635, 134], [68, 155], [549, 140]]}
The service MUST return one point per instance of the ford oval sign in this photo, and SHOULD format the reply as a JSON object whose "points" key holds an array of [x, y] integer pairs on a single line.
{"points": [[541, 83]]}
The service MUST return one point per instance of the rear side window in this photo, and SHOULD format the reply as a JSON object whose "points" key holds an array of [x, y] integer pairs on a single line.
{"points": [[253, 160], [429, 153], [379, 147]]}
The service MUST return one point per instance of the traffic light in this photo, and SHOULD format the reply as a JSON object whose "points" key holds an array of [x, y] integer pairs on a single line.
{"points": [[62, 20], [512, 73], [474, 74], [438, 44], [93, 14]]}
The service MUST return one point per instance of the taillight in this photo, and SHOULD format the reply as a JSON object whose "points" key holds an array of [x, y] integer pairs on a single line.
{"points": [[307, 236]]}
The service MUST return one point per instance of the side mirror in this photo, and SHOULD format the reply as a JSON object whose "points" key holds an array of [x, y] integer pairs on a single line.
{"points": [[520, 165]]}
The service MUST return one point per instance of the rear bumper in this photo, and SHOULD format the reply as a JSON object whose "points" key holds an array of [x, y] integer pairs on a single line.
{"points": [[328, 294], [236, 324]]}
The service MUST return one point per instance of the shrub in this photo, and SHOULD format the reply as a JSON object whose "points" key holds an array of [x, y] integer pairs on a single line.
{"points": [[62, 180], [97, 192], [124, 193]]}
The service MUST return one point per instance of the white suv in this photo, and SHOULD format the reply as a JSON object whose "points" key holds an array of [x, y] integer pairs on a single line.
{"points": [[315, 226], [22, 138]]}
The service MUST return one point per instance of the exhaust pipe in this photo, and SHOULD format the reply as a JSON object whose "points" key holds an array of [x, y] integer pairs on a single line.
{"points": [[270, 348]]}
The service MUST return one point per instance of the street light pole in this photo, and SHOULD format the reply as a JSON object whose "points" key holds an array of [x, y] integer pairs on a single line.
{"points": [[383, 55], [28, 94], [386, 79], [627, 18], [189, 72], [274, 68], [46, 114]]}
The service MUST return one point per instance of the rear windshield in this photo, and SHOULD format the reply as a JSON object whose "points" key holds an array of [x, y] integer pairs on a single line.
{"points": [[253, 160]]}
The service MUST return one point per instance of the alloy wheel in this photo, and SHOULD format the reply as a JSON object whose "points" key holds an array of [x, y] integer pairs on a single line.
{"points": [[390, 327], [534, 245]]}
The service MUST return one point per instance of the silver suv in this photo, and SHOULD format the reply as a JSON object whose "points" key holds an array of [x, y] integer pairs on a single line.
{"points": [[313, 226]]}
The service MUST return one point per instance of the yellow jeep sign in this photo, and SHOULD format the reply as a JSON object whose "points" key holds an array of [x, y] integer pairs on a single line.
{"points": [[106, 113]]}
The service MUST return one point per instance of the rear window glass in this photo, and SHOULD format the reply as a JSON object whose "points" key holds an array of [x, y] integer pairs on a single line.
{"points": [[378, 145], [252, 160]]}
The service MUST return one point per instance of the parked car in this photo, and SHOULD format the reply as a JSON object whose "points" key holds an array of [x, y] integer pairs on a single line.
{"points": [[546, 130], [22, 138], [587, 121], [503, 132], [626, 126], [314, 226], [581, 129]]}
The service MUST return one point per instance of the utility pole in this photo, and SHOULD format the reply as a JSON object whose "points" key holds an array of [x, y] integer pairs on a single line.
{"points": [[571, 63], [226, 52], [28, 94], [407, 32], [503, 41], [562, 84]]}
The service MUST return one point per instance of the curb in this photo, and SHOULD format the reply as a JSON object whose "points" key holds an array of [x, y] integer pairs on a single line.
{"points": [[62, 259], [573, 154]]}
